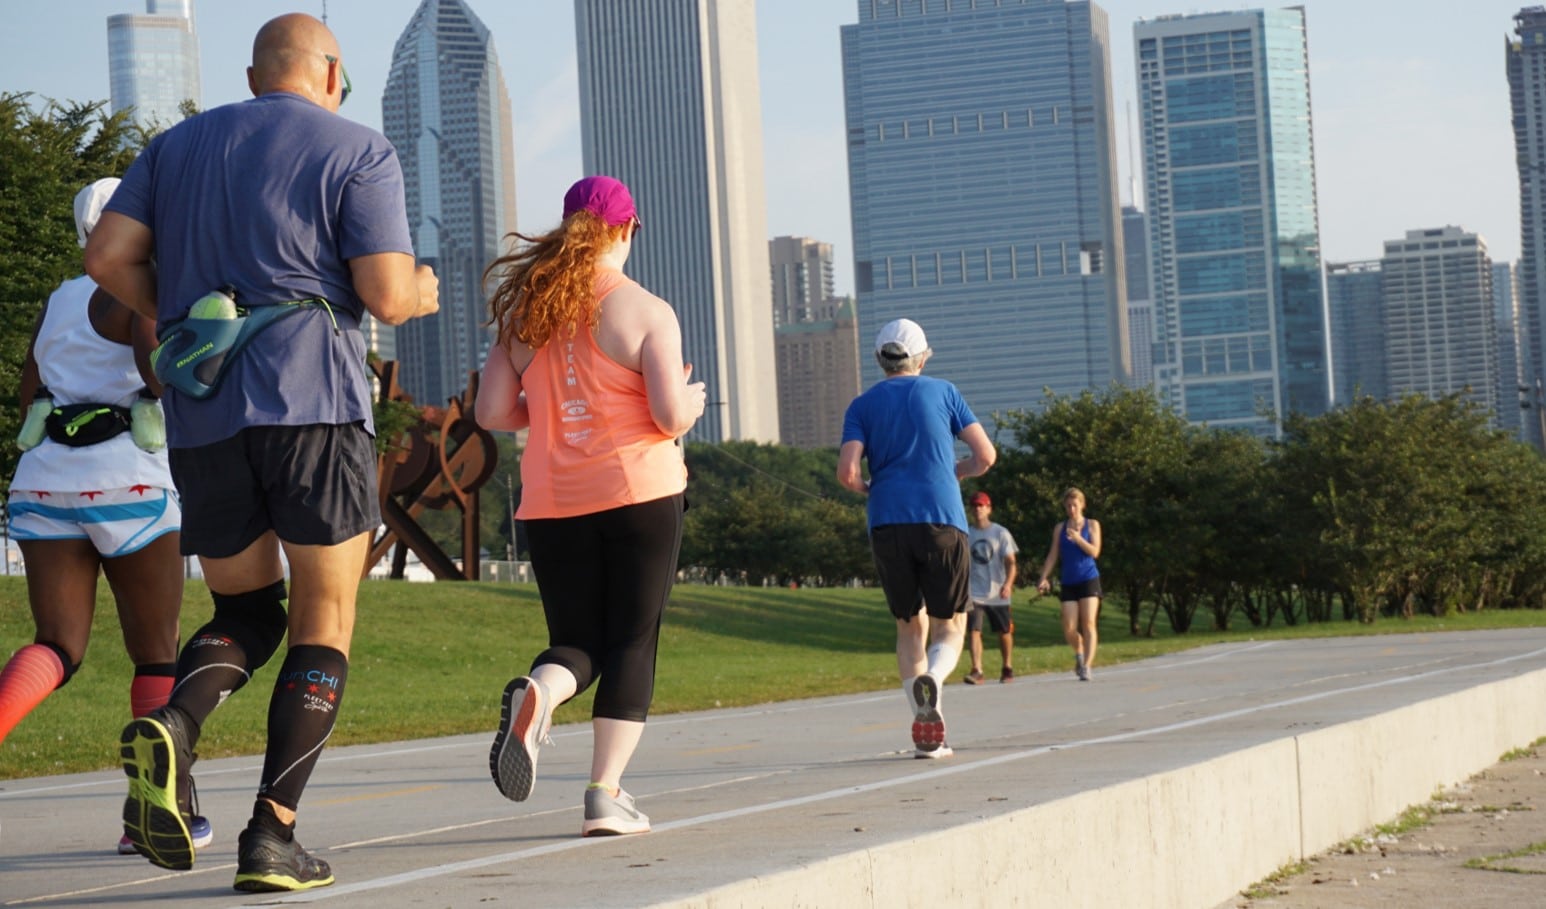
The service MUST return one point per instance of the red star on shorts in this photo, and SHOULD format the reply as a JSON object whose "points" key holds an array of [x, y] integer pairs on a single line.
{"points": [[91, 496], [140, 488], [312, 688], [332, 695]]}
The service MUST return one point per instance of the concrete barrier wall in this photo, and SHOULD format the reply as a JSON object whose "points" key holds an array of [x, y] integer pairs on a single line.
{"points": [[1185, 838]]}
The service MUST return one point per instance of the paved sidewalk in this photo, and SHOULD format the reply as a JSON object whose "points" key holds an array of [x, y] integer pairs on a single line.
{"points": [[754, 793]]}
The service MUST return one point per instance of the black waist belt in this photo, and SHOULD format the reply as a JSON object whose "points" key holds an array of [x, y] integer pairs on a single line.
{"points": [[79, 425]]}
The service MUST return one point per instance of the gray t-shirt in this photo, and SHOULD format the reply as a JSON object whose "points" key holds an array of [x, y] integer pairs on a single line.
{"points": [[989, 546]]}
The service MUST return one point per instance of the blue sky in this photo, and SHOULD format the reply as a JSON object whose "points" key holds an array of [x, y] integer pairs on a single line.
{"points": [[1410, 101]]}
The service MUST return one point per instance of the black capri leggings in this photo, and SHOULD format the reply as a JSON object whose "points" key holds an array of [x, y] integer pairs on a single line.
{"points": [[604, 579]]}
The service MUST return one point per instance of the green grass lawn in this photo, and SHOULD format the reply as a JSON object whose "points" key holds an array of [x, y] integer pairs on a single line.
{"points": [[432, 659]]}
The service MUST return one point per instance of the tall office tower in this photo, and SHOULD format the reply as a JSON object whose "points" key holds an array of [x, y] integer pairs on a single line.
{"points": [[1440, 336], [1229, 165], [446, 110], [1505, 313], [153, 62], [1140, 308], [1525, 59], [983, 185], [669, 104], [816, 343], [802, 280], [1357, 314]]}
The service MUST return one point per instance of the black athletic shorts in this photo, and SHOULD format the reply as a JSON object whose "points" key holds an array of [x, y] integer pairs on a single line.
{"points": [[923, 566], [1071, 593], [997, 615], [313, 485]]}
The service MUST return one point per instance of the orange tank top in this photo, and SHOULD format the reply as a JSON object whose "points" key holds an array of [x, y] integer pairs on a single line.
{"points": [[593, 444]]}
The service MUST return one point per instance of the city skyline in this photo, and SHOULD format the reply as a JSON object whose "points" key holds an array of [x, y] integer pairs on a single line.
{"points": [[1412, 111]]}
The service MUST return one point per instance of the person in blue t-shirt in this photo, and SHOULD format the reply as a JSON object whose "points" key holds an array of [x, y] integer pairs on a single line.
{"points": [[284, 202], [1076, 542], [906, 427]]}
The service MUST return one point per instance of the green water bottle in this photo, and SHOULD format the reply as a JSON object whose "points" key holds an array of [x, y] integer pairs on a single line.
{"points": [[217, 304], [32, 427], [147, 422]]}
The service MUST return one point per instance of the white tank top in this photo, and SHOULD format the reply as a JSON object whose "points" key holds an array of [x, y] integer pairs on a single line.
{"points": [[80, 366]]}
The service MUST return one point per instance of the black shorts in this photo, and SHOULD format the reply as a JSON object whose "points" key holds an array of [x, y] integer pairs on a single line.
{"points": [[1072, 593], [923, 566], [313, 485], [998, 618]]}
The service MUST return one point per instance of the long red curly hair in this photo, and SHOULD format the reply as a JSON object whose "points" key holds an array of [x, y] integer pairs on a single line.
{"points": [[547, 284]]}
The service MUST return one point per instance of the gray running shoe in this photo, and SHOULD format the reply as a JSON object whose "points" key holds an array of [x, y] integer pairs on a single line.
{"points": [[928, 722], [525, 716], [612, 815], [941, 751], [1079, 668]]}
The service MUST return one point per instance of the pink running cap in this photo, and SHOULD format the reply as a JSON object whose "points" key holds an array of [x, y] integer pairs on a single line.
{"points": [[604, 197]]}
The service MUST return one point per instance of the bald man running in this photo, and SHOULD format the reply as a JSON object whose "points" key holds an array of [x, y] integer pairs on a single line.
{"points": [[287, 204]]}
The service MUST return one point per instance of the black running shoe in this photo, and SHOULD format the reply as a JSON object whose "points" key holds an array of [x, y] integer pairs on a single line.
{"points": [[267, 864], [157, 758]]}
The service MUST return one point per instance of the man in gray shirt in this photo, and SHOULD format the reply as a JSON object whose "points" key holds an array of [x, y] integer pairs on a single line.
{"points": [[993, 580]]}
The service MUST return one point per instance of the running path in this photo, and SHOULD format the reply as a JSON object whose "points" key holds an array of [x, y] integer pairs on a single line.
{"points": [[736, 794]]}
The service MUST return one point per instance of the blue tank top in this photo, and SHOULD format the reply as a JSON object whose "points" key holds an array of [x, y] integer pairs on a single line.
{"points": [[1078, 566]]}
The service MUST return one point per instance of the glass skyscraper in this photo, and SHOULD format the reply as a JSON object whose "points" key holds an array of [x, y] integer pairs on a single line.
{"points": [[446, 110], [1525, 59], [983, 187], [1234, 237], [1505, 312], [1357, 312], [153, 62], [669, 104]]}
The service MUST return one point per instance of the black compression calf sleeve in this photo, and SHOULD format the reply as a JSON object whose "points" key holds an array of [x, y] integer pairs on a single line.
{"points": [[301, 715], [222, 656]]}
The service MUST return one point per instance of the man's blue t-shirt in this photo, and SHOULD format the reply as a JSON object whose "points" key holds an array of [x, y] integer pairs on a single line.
{"points": [[271, 196], [908, 425]]}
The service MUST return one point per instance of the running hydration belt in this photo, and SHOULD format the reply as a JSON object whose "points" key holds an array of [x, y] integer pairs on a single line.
{"points": [[194, 354], [79, 425]]}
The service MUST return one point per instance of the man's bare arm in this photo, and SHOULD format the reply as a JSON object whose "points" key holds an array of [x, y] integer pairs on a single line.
{"points": [[393, 289]]}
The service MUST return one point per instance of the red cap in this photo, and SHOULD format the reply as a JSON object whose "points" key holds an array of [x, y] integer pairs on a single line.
{"points": [[604, 197], [981, 498]]}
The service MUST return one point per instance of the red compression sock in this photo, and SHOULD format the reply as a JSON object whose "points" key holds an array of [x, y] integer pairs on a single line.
{"points": [[33, 672], [147, 692]]}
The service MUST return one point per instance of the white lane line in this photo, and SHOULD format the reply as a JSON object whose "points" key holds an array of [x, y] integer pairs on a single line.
{"points": [[435, 871]]}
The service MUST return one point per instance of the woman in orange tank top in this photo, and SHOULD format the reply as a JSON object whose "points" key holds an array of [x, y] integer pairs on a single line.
{"points": [[590, 363]]}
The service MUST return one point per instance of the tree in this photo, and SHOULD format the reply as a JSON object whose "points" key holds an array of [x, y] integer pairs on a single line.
{"points": [[47, 154]]}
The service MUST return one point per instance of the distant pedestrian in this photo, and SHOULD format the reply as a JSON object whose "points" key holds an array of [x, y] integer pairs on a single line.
{"points": [[993, 582], [93, 492], [905, 427], [591, 363], [1076, 542]]}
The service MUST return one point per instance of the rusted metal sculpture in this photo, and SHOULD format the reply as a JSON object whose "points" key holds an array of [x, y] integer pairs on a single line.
{"points": [[440, 463]]}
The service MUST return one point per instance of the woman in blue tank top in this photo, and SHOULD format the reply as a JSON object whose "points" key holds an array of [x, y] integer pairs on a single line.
{"points": [[1076, 543]]}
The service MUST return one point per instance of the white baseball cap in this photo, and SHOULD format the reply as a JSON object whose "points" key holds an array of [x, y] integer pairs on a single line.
{"points": [[89, 203], [901, 339]]}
